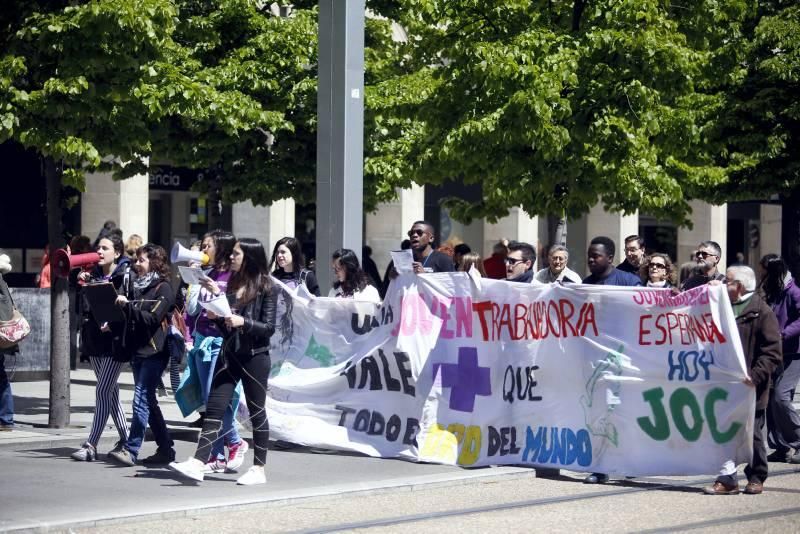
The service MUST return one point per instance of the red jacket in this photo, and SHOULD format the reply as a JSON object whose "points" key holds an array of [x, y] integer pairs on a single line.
{"points": [[495, 266]]}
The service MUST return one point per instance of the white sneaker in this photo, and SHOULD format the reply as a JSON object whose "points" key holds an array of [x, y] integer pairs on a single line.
{"points": [[254, 475], [191, 468], [236, 455], [215, 466]]}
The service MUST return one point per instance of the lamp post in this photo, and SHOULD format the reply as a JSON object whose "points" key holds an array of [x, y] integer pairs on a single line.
{"points": [[340, 132]]}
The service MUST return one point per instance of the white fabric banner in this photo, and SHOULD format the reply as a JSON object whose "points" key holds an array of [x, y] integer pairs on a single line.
{"points": [[468, 371]]}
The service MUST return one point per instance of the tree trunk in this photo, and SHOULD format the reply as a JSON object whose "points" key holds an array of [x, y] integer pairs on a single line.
{"points": [[59, 305], [215, 203], [790, 231]]}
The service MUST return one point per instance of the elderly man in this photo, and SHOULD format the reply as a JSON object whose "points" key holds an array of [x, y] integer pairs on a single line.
{"points": [[557, 270], [761, 342], [519, 262], [634, 254]]}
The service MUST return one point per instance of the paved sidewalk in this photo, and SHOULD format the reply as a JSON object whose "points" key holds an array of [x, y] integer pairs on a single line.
{"points": [[51, 491], [31, 404]]}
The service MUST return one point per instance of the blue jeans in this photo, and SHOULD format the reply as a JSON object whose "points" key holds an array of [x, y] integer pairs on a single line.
{"points": [[6, 399], [147, 376], [205, 370]]}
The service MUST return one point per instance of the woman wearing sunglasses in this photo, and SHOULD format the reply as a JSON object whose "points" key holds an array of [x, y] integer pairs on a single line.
{"points": [[657, 271]]}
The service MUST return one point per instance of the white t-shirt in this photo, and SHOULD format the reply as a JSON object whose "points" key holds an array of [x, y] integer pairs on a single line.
{"points": [[370, 294]]}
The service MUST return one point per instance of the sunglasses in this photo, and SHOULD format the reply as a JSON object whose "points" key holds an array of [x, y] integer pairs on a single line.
{"points": [[412, 233], [704, 255], [513, 261], [657, 266]]}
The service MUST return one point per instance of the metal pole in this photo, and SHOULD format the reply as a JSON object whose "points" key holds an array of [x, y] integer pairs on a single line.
{"points": [[340, 132]]}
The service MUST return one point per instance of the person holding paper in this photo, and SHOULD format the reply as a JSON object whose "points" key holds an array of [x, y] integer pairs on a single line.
{"points": [[145, 338], [97, 341], [287, 261], [207, 341], [244, 356]]}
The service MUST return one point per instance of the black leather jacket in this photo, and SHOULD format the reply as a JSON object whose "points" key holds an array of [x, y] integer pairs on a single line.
{"points": [[259, 325]]}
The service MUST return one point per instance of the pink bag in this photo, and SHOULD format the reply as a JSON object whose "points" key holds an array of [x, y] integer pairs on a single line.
{"points": [[14, 330]]}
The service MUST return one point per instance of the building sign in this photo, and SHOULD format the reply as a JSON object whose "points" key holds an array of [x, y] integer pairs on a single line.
{"points": [[166, 178]]}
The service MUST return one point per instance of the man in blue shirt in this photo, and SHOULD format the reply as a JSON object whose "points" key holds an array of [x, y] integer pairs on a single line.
{"points": [[600, 258]]}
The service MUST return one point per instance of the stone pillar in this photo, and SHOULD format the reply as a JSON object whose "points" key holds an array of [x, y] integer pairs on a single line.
{"points": [[516, 226], [771, 220], [710, 224], [126, 202], [265, 223], [598, 222], [386, 228]]}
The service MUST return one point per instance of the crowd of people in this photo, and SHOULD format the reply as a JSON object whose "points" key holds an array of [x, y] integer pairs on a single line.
{"points": [[164, 324]]}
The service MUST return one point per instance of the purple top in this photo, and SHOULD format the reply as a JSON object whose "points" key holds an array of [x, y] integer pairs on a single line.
{"points": [[787, 310], [205, 326]]}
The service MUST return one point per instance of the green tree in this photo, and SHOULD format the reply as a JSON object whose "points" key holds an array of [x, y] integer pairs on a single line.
{"points": [[555, 105], [758, 128], [85, 85]]}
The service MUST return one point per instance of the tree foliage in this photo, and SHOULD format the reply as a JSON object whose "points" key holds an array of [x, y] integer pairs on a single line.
{"points": [[758, 129], [554, 105], [82, 82]]}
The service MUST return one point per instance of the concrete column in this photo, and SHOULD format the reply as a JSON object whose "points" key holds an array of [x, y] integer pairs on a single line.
{"points": [[598, 222], [516, 226], [265, 223], [125, 202], [710, 223], [386, 228], [771, 219]]}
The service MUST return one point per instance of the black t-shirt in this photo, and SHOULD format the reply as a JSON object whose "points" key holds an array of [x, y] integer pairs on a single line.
{"points": [[437, 262]]}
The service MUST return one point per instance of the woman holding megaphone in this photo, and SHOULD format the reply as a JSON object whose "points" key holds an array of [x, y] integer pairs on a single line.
{"points": [[97, 342]]}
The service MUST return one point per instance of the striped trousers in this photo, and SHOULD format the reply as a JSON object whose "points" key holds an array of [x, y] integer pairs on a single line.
{"points": [[107, 398]]}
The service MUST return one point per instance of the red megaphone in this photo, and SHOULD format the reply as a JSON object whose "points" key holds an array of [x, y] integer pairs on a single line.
{"points": [[62, 263]]}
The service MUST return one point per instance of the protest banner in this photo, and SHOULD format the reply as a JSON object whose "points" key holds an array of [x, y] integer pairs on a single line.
{"points": [[468, 371]]}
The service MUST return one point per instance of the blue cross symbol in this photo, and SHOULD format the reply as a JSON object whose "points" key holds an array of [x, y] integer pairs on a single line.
{"points": [[466, 379]]}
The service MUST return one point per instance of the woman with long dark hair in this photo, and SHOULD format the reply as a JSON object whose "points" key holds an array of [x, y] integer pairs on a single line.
{"points": [[97, 342], [288, 265], [207, 342], [351, 281], [145, 339], [244, 356], [783, 296]]}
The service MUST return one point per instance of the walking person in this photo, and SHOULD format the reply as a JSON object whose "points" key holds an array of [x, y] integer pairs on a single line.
{"points": [[97, 341], [783, 296], [288, 265], [245, 357], [207, 342], [6, 314], [145, 339]]}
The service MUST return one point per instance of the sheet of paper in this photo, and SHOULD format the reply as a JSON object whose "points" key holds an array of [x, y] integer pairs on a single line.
{"points": [[218, 305], [191, 275], [403, 261]]}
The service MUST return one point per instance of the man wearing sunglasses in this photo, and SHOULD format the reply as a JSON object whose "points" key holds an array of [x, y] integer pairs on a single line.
{"points": [[519, 262], [707, 257], [427, 260]]}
